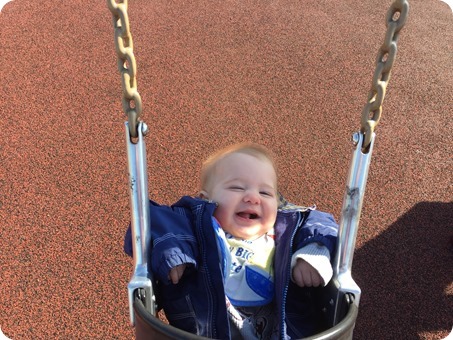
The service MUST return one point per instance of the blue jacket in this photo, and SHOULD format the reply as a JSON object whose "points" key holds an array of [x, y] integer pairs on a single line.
{"points": [[183, 233]]}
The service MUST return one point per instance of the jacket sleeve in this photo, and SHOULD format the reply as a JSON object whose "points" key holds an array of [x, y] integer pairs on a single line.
{"points": [[172, 240], [319, 227]]}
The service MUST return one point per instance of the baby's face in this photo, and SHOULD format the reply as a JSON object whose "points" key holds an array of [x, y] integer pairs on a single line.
{"points": [[245, 189]]}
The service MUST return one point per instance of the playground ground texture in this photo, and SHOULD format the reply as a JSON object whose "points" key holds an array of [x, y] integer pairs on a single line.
{"points": [[292, 75]]}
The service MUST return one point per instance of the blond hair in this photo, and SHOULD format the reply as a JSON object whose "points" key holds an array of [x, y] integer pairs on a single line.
{"points": [[209, 165]]}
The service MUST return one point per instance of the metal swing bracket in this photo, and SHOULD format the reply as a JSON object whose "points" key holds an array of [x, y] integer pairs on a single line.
{"points": [[342, 287], [141, 280], [349, 222]]}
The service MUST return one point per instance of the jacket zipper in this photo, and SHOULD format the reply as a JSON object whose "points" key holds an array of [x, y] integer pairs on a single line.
{"points": [[285, 287]]}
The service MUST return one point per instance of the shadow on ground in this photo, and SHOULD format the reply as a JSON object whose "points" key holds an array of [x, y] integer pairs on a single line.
{"points": [[411, 265]]}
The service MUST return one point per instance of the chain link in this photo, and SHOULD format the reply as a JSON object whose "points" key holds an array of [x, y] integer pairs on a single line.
{"points": [[131, 101], [395, 20]]}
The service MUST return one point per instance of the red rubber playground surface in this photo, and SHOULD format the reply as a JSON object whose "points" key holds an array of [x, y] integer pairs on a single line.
{"points": [[292, 75]]}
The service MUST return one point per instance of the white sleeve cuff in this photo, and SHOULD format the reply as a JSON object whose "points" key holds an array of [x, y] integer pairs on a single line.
{"points": [[318, 257]]}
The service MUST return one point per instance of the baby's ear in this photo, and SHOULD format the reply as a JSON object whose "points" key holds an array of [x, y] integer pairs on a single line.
{"points": [[203, 194]]}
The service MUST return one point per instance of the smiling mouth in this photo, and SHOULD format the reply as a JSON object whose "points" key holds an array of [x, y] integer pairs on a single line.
{"points": [[249, 216]]}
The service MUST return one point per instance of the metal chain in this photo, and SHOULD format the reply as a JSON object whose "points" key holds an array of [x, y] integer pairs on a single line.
{"points": [[371, 114], [395, 20], [131, 101]]}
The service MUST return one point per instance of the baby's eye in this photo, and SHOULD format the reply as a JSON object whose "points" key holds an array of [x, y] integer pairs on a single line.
{"points": [[236, 188], [267, 193]]}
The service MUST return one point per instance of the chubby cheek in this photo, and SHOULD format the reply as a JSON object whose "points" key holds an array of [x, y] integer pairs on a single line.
{"points": [[226, 221], [268, 227], [270, 223], [219, 215]]}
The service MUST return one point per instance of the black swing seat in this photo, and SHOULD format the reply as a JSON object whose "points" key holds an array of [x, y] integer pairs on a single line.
{"points": [[148, 326]]}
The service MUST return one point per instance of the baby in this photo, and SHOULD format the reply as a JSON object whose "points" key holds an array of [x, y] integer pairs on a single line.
{"points": [[264, 250], [242, 181]]}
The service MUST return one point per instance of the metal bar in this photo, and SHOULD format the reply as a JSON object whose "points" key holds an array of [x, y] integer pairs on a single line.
{"points": [[349, 222], [140, 222]]}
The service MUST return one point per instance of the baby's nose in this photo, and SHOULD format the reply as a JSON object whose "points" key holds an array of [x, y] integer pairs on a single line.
{"points": [[252, 197]]}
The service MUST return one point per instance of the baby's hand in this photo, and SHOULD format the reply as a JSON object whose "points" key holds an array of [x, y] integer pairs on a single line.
{"points": [[176, 273], [304, 275]]}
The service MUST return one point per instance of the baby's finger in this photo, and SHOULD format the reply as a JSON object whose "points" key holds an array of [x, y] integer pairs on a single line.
{"points": [[297, 277], [177, 272], [307, 278], [174, 275], [180, 269], [315, 279]]}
